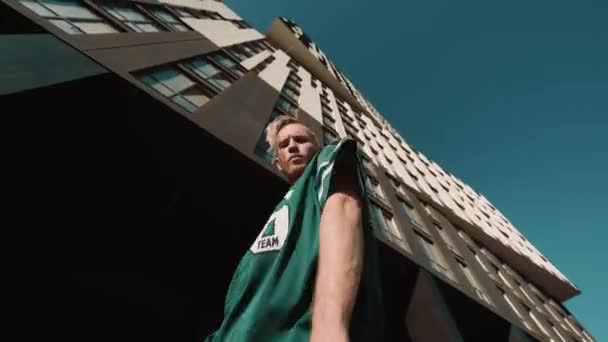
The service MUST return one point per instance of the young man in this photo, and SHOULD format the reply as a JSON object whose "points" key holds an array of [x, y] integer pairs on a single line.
{"points": [[311, 274]]}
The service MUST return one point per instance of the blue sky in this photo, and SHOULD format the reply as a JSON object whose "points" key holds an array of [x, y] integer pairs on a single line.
{"points": [[512, 97]]}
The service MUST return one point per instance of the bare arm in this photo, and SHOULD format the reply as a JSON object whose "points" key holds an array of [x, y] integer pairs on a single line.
{"points": [[340, 262]]}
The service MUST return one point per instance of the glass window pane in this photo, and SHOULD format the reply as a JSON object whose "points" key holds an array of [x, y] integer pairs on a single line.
{"points": [[37, 8], [180, 27], [164, 16], [70, 9], [392, 226], [111, 10], [173, 80], [247, 50], [157, 86], [184, 103], [203, 68], [290, 93], [133, 27], [67, 27], [94, 28], [263, 150], [376, 213], [196, 96], [148, 28], [286, 106], [223, 60], [130, 14], [220, 81], [183, 13]]}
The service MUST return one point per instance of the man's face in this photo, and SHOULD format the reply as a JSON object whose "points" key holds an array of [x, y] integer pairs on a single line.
{"points": [[295, 148]]}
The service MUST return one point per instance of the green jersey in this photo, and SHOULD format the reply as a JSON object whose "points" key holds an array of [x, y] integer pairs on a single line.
{"points": [[270, 296]]}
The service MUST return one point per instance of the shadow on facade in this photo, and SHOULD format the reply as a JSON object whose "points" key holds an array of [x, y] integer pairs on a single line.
{"points": [[122, 220]]}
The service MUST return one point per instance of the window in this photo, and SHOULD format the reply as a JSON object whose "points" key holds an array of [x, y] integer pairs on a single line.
{"points": [[72, 16], [329, 136], [353, 128], [131, 17], [290, 93], [325, 102], [227, 62], [262, 148], [411, 213], [555, 330], [291, 83], [295, 77], [414, 177], [173, 84], [472, 280], [328, 120], [183, 12], [268, 45], [239, 24], [206, 70], [286, 106], [256, 46], [328, 117], [430, 250], [534, 319], [374, 186], [513, 307], [539, 296], [239, 52], [460, 206], [247, 50], [262, 65], [190, 84], [445, 188], [202, 14], [385, 222], [444, 235], [169, 19], [500, 230]]}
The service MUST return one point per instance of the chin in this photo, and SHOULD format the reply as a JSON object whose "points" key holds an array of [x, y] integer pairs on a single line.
{"points": [[297, 171]]}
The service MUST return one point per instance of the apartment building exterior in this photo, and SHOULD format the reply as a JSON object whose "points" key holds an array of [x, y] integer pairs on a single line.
{"points": [[138, 173]]}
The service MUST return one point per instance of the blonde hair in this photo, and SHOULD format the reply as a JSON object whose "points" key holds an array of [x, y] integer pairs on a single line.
{"points": [[273, 129]]}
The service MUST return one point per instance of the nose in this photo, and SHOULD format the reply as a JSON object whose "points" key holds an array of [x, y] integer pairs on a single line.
{"points": [[293, 146]]}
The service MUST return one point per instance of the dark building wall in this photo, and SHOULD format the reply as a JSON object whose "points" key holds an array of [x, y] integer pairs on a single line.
{"points": [[37, 60], [121, 220]]}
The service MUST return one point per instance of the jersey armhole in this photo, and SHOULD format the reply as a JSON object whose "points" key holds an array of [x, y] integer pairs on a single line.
{"points": [[344, 158]]}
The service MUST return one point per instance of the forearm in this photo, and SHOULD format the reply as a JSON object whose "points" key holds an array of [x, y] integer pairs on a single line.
{"points": [[340, 264]]}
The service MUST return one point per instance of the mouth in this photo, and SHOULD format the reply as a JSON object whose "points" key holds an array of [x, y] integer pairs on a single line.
{"points": [[295, 157]]}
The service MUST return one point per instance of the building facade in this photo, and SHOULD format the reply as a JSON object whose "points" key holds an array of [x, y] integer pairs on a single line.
{"points": [[137, 174]]}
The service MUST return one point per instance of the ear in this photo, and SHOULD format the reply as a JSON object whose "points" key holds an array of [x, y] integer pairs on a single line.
{"points": [[276, 163]]}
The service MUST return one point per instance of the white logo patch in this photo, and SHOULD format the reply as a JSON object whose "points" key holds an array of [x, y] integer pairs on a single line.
{"points": [[272, 242]]}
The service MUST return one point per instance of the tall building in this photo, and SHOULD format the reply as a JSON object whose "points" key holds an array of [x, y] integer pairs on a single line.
{"points": [[135, 174]]}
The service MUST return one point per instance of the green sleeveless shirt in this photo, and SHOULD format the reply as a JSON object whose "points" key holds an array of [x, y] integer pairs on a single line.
{"points": [[270, 296]]}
